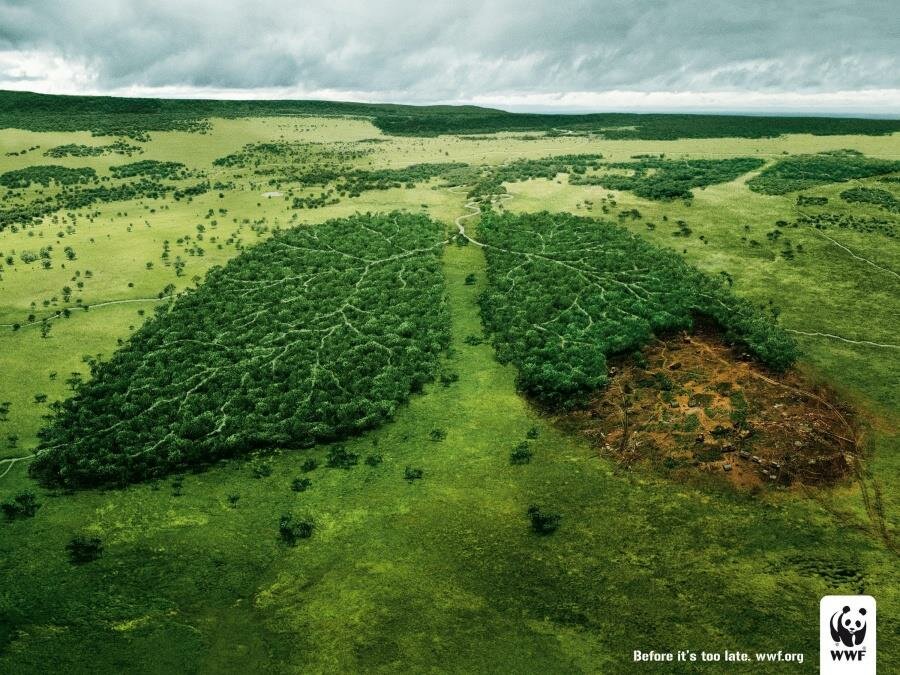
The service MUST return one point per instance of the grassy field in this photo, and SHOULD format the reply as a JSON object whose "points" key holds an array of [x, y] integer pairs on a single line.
{"points": [[443, 573]]}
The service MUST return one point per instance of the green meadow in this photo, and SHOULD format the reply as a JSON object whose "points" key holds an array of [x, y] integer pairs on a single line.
{"points": [[440, 573]]}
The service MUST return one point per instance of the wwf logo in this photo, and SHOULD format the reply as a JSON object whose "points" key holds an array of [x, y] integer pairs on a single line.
{"points": [[848, 635], [849, 626]]}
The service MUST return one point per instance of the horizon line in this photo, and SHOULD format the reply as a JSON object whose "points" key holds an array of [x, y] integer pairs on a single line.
{"points": [[544, 107]]}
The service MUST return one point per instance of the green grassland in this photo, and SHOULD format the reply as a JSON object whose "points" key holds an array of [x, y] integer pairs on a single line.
{"points": [[441, 573]]}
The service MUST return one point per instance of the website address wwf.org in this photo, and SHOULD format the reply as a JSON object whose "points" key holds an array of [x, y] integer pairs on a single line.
{"points": [[727, 656]]}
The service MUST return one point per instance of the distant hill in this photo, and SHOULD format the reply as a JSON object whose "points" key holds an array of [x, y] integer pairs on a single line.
{"points": [[134, 117]]}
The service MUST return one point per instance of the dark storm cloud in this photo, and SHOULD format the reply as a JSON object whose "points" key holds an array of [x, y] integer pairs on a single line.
{"points": [[417, 51]]}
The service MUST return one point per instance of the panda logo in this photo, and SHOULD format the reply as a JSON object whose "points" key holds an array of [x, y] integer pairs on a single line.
{"points": [[849, 627]]}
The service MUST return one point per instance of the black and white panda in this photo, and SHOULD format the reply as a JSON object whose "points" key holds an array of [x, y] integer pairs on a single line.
{"points": [[849, 627]]}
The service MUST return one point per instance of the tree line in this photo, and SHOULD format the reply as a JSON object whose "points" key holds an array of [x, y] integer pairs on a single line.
{"points": [[135, 117], [151, 168]]}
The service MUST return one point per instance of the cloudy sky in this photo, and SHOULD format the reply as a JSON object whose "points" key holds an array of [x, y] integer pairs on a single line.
{"points": [[782, 55]]}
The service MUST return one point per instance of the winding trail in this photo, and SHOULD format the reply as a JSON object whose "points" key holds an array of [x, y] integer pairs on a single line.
{"points": [[458, 222], [472, 205], [58, 314], [854, 255], [843, 339], [12, 461], [475, 211]]}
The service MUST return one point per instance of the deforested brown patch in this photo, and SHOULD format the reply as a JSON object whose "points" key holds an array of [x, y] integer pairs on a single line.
{"points": [[691, 403]]}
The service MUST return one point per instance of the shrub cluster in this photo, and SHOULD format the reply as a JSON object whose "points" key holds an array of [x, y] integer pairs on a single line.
{"points": [[83, 549], [846, 221], [45, 175], [291, 530], [77, 150], [800, 172], [80, 198], [807, 200], [357, 181], [324, 198], [546, 167], [489, 183], [150, 168], [665, 179], [876, 196], [23, 505]]}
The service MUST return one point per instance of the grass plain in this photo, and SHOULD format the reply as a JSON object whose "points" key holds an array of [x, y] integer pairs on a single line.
{"points": [[443, 573]]}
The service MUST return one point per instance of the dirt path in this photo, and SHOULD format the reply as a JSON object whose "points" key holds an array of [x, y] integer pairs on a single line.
{"points": [[857, 257], [472, 206], [843, 339], [458, 222], [53, 317], [12, 461]]}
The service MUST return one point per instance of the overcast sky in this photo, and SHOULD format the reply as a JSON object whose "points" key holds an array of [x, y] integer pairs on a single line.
{"points": [[791, 55]]}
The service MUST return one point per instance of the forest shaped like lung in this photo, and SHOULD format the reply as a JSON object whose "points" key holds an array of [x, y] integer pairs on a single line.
{"points": [[314, 335], [565, 292]]}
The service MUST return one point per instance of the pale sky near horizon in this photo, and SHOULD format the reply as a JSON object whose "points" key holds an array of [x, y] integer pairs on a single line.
{"points": [[769, 55]]}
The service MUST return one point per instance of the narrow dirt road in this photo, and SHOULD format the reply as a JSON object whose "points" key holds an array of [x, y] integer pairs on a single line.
{"points": [[11, 462]]}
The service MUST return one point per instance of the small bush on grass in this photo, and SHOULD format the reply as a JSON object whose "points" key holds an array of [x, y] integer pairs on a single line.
{"points": [[261, 468], [341, 458], [448, 377], [521, 454], [23, 505], [290, 530], [84, 549], [412, 474], [300, 484], [543, 522]]}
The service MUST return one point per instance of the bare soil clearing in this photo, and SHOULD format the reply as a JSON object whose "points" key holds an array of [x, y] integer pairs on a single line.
{"points": [[691, 403]]}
